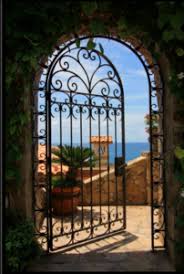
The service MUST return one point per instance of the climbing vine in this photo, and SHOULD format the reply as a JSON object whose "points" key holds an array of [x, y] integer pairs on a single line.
{"points": [[32, 34]]}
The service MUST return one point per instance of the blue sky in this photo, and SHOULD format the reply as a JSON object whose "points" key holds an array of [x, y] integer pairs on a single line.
{"points": [[135, 87], [133, 77]]}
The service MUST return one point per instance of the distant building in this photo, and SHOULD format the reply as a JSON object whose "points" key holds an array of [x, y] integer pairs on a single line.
{"points": [[100, 147]]}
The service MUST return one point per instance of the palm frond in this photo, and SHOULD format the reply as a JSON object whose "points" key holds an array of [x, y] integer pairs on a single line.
{"points": [[74, 156]]}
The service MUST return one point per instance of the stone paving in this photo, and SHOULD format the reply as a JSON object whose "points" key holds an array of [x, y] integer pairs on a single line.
{"points": [[129, 250]]}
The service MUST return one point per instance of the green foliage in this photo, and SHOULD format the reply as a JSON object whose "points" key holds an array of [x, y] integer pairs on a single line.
{"points": [[74, 157], [32, 34], [122, 24], [88, 7], [167, 36], [176, 84], [64, 181], [179, 241], [97, 27], [179, 51], [170, 21], [20, 245], [179, 153], [179, 176], [179, 165], [180, 247], [91, 44], [154, 122], [77, 42], [180, 221], [33, 28], [101, 48]]}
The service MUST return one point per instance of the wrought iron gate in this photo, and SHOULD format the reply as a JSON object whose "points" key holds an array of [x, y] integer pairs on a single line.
{"points": [[83, 126], [78, 112]]}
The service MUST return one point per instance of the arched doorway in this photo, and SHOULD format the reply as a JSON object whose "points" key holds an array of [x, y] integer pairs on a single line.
{"points": [[45, 114]]}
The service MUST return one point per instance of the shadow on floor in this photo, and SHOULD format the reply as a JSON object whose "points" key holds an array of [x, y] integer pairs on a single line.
{"points": [[108, 254], [96, 215], [114, 243]]}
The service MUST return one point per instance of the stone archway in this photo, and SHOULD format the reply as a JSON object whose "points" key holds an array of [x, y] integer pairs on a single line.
{"points": [[154, 69], [169, 141], [174, 128]]}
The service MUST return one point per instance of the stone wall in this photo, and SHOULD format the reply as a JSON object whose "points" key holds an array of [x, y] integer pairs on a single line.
{"points": [[138, 190], [170, 187], [137, 182], [40, 205]]}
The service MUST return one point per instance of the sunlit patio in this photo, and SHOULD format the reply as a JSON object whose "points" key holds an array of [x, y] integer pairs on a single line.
{"points": [[127, 250]]}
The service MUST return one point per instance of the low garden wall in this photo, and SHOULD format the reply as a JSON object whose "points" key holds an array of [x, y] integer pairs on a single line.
{"points": [[137, 178], [137, 185]]}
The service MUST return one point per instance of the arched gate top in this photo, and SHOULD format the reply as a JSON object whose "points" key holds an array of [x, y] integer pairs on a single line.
{"points": [[80, 71]]}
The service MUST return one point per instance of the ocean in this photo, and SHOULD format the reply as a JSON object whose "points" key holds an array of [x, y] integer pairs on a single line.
{"points": [[132, 150]]}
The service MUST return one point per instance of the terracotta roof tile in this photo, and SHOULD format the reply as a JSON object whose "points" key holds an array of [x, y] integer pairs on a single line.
{"points": [[55, 167], [101, 139]]}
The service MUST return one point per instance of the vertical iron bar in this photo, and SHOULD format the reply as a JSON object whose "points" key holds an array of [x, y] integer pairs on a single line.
{"points": [[151, 166], [33, 155], [71, 141], [48, 97], [90, 116], [99, 133], [81, 133], [47, 170], [162, 183], [61, 136], [124, 158], [61, 164], [116, 183], [164, 159], [108, 188]]}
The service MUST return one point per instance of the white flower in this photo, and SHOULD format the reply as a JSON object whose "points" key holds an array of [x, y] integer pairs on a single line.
{"points": [[182, 194], [180, 75]]}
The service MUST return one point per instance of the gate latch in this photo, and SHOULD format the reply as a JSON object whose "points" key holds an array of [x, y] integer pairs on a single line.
{"points": [[119, 166]]}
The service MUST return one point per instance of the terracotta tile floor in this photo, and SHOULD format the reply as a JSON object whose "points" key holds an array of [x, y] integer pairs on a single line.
{"points": [[129, 250]]}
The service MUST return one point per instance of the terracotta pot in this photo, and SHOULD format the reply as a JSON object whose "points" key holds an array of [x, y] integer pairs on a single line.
{"points": [[65, 200]]}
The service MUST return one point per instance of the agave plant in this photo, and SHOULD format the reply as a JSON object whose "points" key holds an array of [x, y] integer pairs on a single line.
{"points": [[74, 158]]}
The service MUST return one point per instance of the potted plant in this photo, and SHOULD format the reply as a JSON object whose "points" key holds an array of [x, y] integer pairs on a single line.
{"points": [[65, 195], [66, 188]]}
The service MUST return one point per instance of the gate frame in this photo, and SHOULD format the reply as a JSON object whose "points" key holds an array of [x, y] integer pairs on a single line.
{"points": [[156, 85]]}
